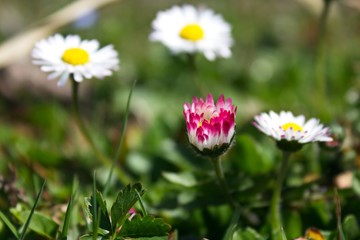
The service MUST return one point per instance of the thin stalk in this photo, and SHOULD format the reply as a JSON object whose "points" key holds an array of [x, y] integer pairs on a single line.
{"points": [[275, 213], [69, 209], [81, 124], [194, 71], [82, 127], [142, 205], [95, 210], [28, 220], [320, 58], [234, 224], [118, 151], [216, 162]]}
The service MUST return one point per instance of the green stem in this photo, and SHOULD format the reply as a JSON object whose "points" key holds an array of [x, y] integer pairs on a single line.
{"points": [[192, 64], [275, 213], [118, 151], [216, 162], [75, 101], [320, 58]]}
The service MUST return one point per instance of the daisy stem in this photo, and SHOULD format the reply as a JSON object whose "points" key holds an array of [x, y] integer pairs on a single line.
{"points": [[321, 54], [275, 213], [105, 160], [192, 64], [216, 162], [118, 151]]}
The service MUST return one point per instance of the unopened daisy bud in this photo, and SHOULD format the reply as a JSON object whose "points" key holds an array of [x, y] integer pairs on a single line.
{"points": [[210, 126], [188, 29], [291, 132], [82, 59]]}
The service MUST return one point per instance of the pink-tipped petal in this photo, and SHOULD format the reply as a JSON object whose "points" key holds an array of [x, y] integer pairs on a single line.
{"points": [[209, 124]]}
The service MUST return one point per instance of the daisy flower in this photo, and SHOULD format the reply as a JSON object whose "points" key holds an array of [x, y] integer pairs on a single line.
{"points": [[210, 126], [290, 131], [82, 59], [188, 29]]}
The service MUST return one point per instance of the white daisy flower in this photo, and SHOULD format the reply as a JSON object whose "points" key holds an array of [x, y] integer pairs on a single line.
{"points": [[65, 56], [190, 30], [285, 127]]}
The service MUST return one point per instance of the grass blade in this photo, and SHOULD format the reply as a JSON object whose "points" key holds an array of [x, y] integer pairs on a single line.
{"points": [[94, 206], [118, 151], [69, 209], [32, 212], [141, 203], [341, 235], [233, 225], [9, 224]]}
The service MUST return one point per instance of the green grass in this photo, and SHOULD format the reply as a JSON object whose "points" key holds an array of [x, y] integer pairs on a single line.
{"points": [[273, 67]]}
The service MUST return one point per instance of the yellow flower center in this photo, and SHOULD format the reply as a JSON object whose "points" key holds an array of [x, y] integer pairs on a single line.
{"points": [[201, 123], [294, 126], [192, 32], [314, 234], [75, 56]]}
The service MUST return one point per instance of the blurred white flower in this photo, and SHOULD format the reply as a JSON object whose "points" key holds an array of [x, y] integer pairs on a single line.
{"points": [[190, 30], [287, 128], [65, 56]]}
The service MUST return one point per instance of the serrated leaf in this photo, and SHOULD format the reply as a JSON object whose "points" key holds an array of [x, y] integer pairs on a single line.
{"points": [[105, 222], [147, 226], [125, 199]]}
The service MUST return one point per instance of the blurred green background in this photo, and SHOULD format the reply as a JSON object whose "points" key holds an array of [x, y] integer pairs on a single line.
{"points": [[274, 66]]}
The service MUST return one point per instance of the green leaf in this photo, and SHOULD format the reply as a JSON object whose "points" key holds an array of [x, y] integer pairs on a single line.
{"points": [[31, 215], [40, 223], [95, 209], [356, 182], [341, 235], [283, 235], [254, 159], [246, 234], [125, 199], [351, 228], [293, 226], [91, 237], [147, 226], [233, 226], [9, 224], [150, 238], [185, 179], [105, 222], [66, 224]]}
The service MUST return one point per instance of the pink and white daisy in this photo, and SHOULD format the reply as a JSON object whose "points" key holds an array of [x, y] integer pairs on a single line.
{"points": [[210, 126]]}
